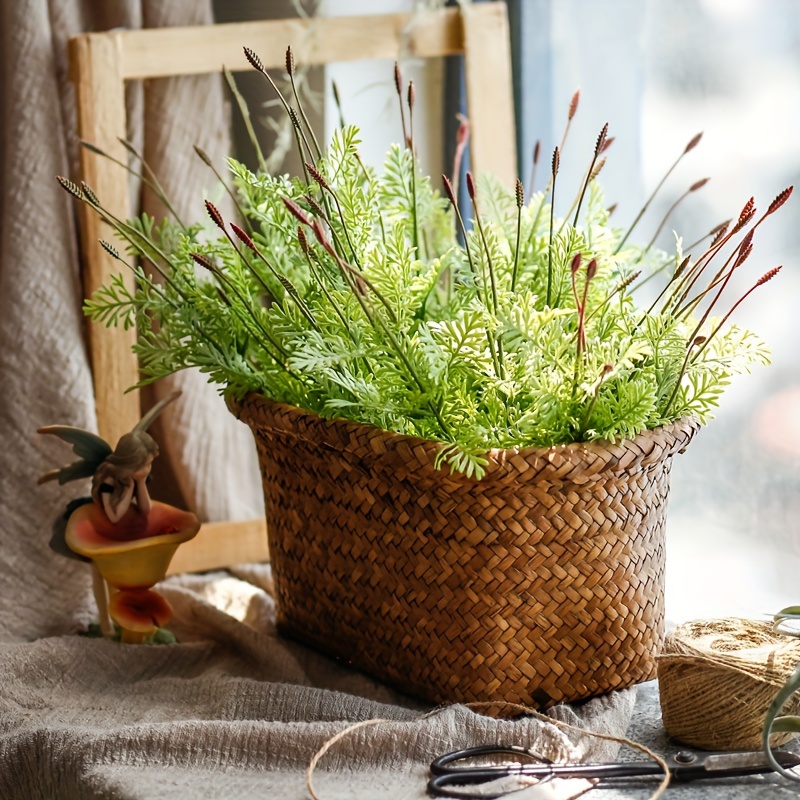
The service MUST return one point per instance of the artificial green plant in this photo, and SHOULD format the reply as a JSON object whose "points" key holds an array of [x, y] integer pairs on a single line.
{"points": [[776, 720], [369, 296]]}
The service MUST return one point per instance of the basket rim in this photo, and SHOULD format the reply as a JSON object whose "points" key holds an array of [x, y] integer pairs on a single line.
{"points": [[570, 461]]}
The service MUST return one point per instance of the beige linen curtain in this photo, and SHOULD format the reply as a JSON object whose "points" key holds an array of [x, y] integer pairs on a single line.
{"points": [[208, 461]]}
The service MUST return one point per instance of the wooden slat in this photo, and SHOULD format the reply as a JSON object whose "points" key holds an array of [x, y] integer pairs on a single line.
{"points": [[95, 65], [490, 94], [222, 544], [321, 40]]}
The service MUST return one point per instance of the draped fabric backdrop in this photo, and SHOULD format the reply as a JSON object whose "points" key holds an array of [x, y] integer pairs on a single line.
{"points": [[44, 365], [233, 709]]}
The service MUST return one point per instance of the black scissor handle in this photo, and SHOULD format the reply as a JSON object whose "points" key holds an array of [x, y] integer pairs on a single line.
{"points": [[450, 784]]}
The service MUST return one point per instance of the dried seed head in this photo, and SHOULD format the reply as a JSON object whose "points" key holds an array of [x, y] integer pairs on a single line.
{"points": [[254, 60], [301, 237], [607, 368], [693, 143], [287, 284], [747, 214], [471, 187], [398, 80], [743, 256], [448, 189], [71, 187], [315, 206], [92, 148], [556, 162], [698, 340], [537, 148], [110, 249], [611, 209], [294, 118], [745, 247], [719, 231], [597, 169], [216, 217], [626, 282], [462, 134], [519, 193], [289, 61], [573, 104], [608, 142], [601, 140], [768, 276], [296, 211], [203, 261], [319, 232], [317, 176], [682, 266], [699, 184], [591, 269], [128, 146], [89, 194], [576, 263], [243, 236], [779, 200], [412, 94], [203, 155]]}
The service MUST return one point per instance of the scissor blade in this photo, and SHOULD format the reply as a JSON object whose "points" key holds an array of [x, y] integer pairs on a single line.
{"points": [[747, 763]]}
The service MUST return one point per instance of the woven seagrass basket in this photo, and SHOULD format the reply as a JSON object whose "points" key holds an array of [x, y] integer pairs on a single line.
{"points": [[541, 583]]}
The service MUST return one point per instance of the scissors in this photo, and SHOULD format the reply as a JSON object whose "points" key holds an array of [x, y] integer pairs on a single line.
{"points": [[685, 765]]}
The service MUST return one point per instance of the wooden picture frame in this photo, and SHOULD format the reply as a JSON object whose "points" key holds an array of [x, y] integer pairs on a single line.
{"points": [[101, 64]]}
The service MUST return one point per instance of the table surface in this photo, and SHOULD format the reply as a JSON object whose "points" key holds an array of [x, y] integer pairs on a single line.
{"points": [[646, 728]]}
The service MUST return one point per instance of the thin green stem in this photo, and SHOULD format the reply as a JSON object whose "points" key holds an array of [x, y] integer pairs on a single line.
{"points": [[151, 183], [244, 110], [290, 70]]}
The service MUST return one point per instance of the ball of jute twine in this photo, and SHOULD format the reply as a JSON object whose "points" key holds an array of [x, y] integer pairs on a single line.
{"points": [[717, 679]]}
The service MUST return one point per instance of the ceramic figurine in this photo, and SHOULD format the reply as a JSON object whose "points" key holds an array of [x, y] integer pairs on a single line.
{"points": [[128, 538]]}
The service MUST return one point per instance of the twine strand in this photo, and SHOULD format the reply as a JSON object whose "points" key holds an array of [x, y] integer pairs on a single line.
{"points": [[475, 706]]}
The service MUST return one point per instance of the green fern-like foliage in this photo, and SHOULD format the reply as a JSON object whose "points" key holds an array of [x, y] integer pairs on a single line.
{"points": [[356, 294]]}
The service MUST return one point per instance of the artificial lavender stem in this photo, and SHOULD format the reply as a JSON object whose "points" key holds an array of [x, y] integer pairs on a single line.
{"points": [[414, 210], [290, 71], [767, 276], [534, 164], [398, 85], [573, 108], [519, 196], [338, 100], [326, 187], [462, 137], [554, 172], [705, 341], [716, 231], [203, 156], [693, 142], [282, 279], [499, 366], [152, 184], [489, 265], [257, 64], [693, 188], [244, 110], [598, 148]]}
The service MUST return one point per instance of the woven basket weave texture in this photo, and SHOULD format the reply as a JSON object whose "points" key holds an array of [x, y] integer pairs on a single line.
{"points": [[541, 583]]}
